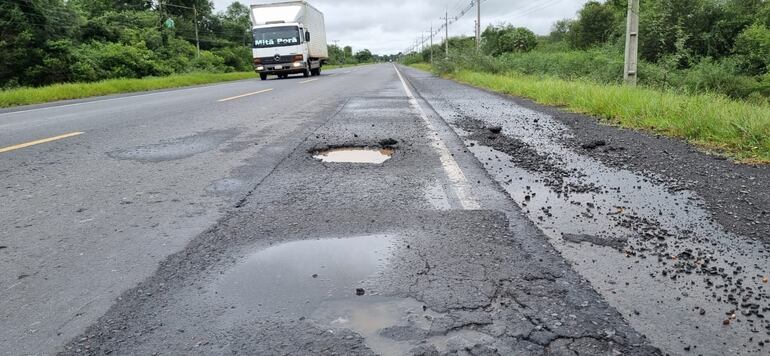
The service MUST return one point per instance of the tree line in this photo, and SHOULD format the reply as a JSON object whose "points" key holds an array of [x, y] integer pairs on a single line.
{"points": [[700, 45], [54, 41]]}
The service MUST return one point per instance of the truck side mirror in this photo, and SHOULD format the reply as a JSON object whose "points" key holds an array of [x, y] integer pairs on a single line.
{"points": [[307, 36]]}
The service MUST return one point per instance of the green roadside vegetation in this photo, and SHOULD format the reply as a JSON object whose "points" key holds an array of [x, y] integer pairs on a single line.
{"points": [[712, 121], [56, 49], [422, 66], [703, 72], [27, 96], [55, 92]]}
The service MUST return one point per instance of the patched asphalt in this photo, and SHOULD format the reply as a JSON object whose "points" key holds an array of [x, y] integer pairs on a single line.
{"points": [[443, 279], [222, 229]]}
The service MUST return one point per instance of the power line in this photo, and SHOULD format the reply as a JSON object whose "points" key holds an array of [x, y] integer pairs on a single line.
{"points": [[464, 9], [536, 8]]}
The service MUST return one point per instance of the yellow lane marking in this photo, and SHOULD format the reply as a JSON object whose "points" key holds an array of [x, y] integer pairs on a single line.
{"points": [[32, 143], [331, 75], [245, 95], [308, 81]]}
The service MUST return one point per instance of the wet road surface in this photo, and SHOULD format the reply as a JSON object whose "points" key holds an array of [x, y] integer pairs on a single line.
{"points": [[372, 211], [652, 247]]}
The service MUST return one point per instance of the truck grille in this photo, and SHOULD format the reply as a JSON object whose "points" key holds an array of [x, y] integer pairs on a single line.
{"points": [[272, 60]]}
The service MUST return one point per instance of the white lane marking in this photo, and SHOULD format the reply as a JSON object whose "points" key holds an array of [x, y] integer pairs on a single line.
{"points": [[451, 168], [308, 81], [173, 91], [244, 95]]}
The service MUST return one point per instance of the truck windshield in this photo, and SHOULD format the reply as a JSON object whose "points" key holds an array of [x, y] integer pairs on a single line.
{"points": [[276, 36]]}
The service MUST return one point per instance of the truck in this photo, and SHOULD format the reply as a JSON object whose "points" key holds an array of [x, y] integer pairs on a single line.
{"points": [[289, 38]]}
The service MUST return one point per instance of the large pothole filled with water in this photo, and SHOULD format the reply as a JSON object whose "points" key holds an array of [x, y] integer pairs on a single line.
{"points": [[296, 277], [355, 155]]}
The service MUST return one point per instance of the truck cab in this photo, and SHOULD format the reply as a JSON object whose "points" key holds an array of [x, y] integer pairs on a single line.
{"points": [[289, 38], [282, 49]]}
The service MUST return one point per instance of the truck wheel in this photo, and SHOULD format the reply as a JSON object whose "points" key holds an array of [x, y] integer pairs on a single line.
{"points": [[263, 76], [306, 73]]}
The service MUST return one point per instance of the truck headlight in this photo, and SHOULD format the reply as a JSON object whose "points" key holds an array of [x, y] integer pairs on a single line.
{"points": [[297, 64], [260, 68]]}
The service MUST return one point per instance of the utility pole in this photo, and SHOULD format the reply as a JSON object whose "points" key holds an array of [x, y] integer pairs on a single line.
{"points": [[197, 39], [336, 44], [446, 37], [195, 15], [632, 43], [478, 25], [431, 43]]}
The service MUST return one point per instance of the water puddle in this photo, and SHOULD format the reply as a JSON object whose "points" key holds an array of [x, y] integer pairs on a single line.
{"points": [[355, 155], [295, 277], [397, 326]]}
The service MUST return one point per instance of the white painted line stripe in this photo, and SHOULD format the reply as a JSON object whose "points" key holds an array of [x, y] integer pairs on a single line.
{"points": [[244, 95], [308, 81], [451, 168]]}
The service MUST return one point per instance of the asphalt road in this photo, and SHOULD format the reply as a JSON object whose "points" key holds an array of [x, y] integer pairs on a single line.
{"points": [[198, 221]]}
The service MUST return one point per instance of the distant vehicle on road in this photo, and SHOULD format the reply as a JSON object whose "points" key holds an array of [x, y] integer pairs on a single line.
{"points": [[289, 38]]}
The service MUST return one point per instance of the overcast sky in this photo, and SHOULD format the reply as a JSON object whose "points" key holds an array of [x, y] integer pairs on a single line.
{"points": [[390, 26]]}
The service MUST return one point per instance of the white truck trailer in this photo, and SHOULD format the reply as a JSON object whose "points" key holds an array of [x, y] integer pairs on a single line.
{"points": [[289, 38]]}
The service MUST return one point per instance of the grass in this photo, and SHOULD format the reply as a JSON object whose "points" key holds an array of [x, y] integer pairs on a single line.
{"points": [[422, 66], [26, 96], [738, 128]]}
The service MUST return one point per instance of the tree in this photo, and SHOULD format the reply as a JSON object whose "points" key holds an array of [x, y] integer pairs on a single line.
{"points": [[753, 49], [98, 7], [595, 24], [560, 30], [518, 39], [336, 54], [29, 31], [505, 39], [364, 56], [235, 24]]}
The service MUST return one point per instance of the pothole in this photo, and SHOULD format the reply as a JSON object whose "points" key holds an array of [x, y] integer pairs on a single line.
{"points": [[175, 149], [355, 155], [399, 326], [296, 277]]}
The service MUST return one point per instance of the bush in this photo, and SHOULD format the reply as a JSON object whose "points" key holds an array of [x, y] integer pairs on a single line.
{"points": [[209, 62], [605, 66], [717, 77], [504, 39], [235, 59], [98, 60], [597, 64]]}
